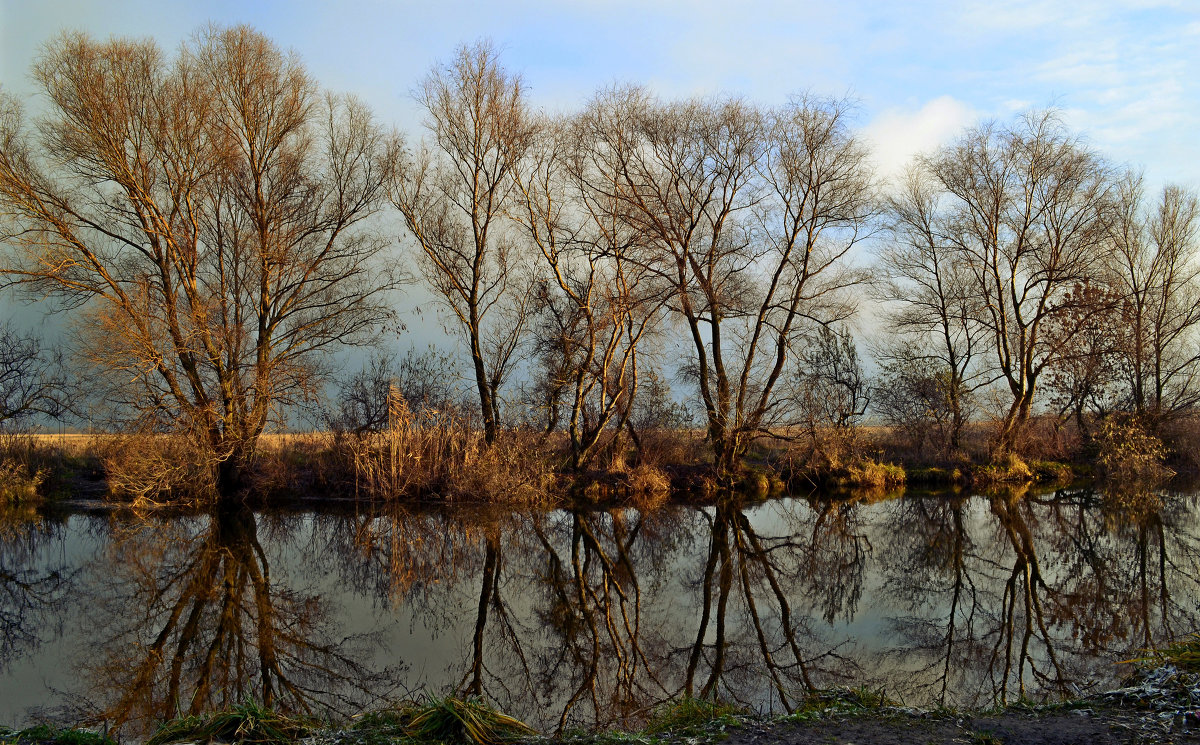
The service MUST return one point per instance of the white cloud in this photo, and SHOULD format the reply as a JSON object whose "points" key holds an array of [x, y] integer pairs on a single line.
{"points": [[896, 135]]}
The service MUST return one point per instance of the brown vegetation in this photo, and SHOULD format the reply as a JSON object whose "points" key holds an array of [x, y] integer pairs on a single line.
{"points": [[642, 267]]}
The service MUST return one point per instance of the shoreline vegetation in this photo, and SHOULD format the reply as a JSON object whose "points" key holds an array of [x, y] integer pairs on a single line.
{"points": [[453, 463], [653, 299], [1157, 703], [520, 468]]}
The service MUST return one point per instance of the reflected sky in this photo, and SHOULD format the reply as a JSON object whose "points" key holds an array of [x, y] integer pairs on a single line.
{"points": [[588, 618]]}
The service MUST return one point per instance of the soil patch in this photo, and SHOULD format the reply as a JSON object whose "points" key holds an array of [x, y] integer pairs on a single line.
{"points": [[1079, 727]]}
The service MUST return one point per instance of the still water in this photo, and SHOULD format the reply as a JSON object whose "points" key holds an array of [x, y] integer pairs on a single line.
{"points": [[588, 618]]}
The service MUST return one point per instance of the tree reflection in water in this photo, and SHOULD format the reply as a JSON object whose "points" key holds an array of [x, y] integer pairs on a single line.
{"points": [[816, 564], [581, 616], [991, 619], [191, 622], [591, 617], [32, 594], [591, 606]]}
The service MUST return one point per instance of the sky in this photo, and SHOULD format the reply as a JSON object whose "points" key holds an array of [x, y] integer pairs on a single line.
{"points": [[1125, 75]]}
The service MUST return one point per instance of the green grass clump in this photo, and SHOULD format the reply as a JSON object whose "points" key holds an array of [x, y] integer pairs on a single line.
{"points": [[386, 727], [839, 701], [984, 737], [244, 723], [44, 734], [453, 720], [1183, 654], [689, 715], [1052, 472]]}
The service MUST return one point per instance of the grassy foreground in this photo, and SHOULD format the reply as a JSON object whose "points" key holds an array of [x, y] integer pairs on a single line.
{"points": [[1158, 704]]}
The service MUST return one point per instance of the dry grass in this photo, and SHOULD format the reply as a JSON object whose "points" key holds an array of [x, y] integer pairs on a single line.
{"points": [[648, 488], [31, 468], [156, 469], [444, 456], [866, 472], [452, 720]]}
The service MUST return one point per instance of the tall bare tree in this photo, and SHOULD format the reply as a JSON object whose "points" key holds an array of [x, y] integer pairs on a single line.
{"points": [[752, 215], [598, 297], [933, 363], [1156, 273], [209, 216], [1024, 206], [453, 193]]}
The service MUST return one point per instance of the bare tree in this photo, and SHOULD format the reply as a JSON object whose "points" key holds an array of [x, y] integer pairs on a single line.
{"points": [[752, 216], [1156, 273], [31, 381], [932, 364], [832, 393], [1024, 207], [366, 398], [599, 298], [1082, 378], [209, 214], [453, 193]]}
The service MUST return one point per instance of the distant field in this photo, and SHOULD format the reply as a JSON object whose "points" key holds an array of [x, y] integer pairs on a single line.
{"points": [[81, 442]]}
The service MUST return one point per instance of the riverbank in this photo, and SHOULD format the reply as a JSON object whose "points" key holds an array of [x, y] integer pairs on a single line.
{"points": [[518, 470], [1161, 705]]}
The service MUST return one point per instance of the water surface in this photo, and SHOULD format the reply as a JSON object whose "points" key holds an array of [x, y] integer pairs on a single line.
{"points": [[588, 618]]}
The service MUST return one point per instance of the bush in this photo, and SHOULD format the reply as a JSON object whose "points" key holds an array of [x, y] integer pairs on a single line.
{"points": [[22, 468], [17, 484], [245, 723], [452, 720], [149, 468], [1127, 451]]}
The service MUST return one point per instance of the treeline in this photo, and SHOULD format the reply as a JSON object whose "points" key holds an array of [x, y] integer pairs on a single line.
{"points": [[217, 224]]}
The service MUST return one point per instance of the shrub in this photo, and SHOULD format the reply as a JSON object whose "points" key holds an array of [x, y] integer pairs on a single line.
{"points": [[1126, 451], [23, 467], [244, 723], [17, 484], [453, 720], [150, 467]]}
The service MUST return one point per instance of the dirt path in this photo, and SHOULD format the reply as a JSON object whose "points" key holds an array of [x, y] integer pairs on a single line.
{"points": [[1068, 728]]}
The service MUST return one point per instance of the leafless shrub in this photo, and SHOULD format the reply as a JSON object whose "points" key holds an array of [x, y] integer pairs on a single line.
{"points": [[425, 380], [832, 393], [31, 380], [150, 469]]}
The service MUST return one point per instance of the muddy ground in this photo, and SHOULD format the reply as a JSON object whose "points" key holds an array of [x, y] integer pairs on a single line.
{"points": [[1079, 727]]}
